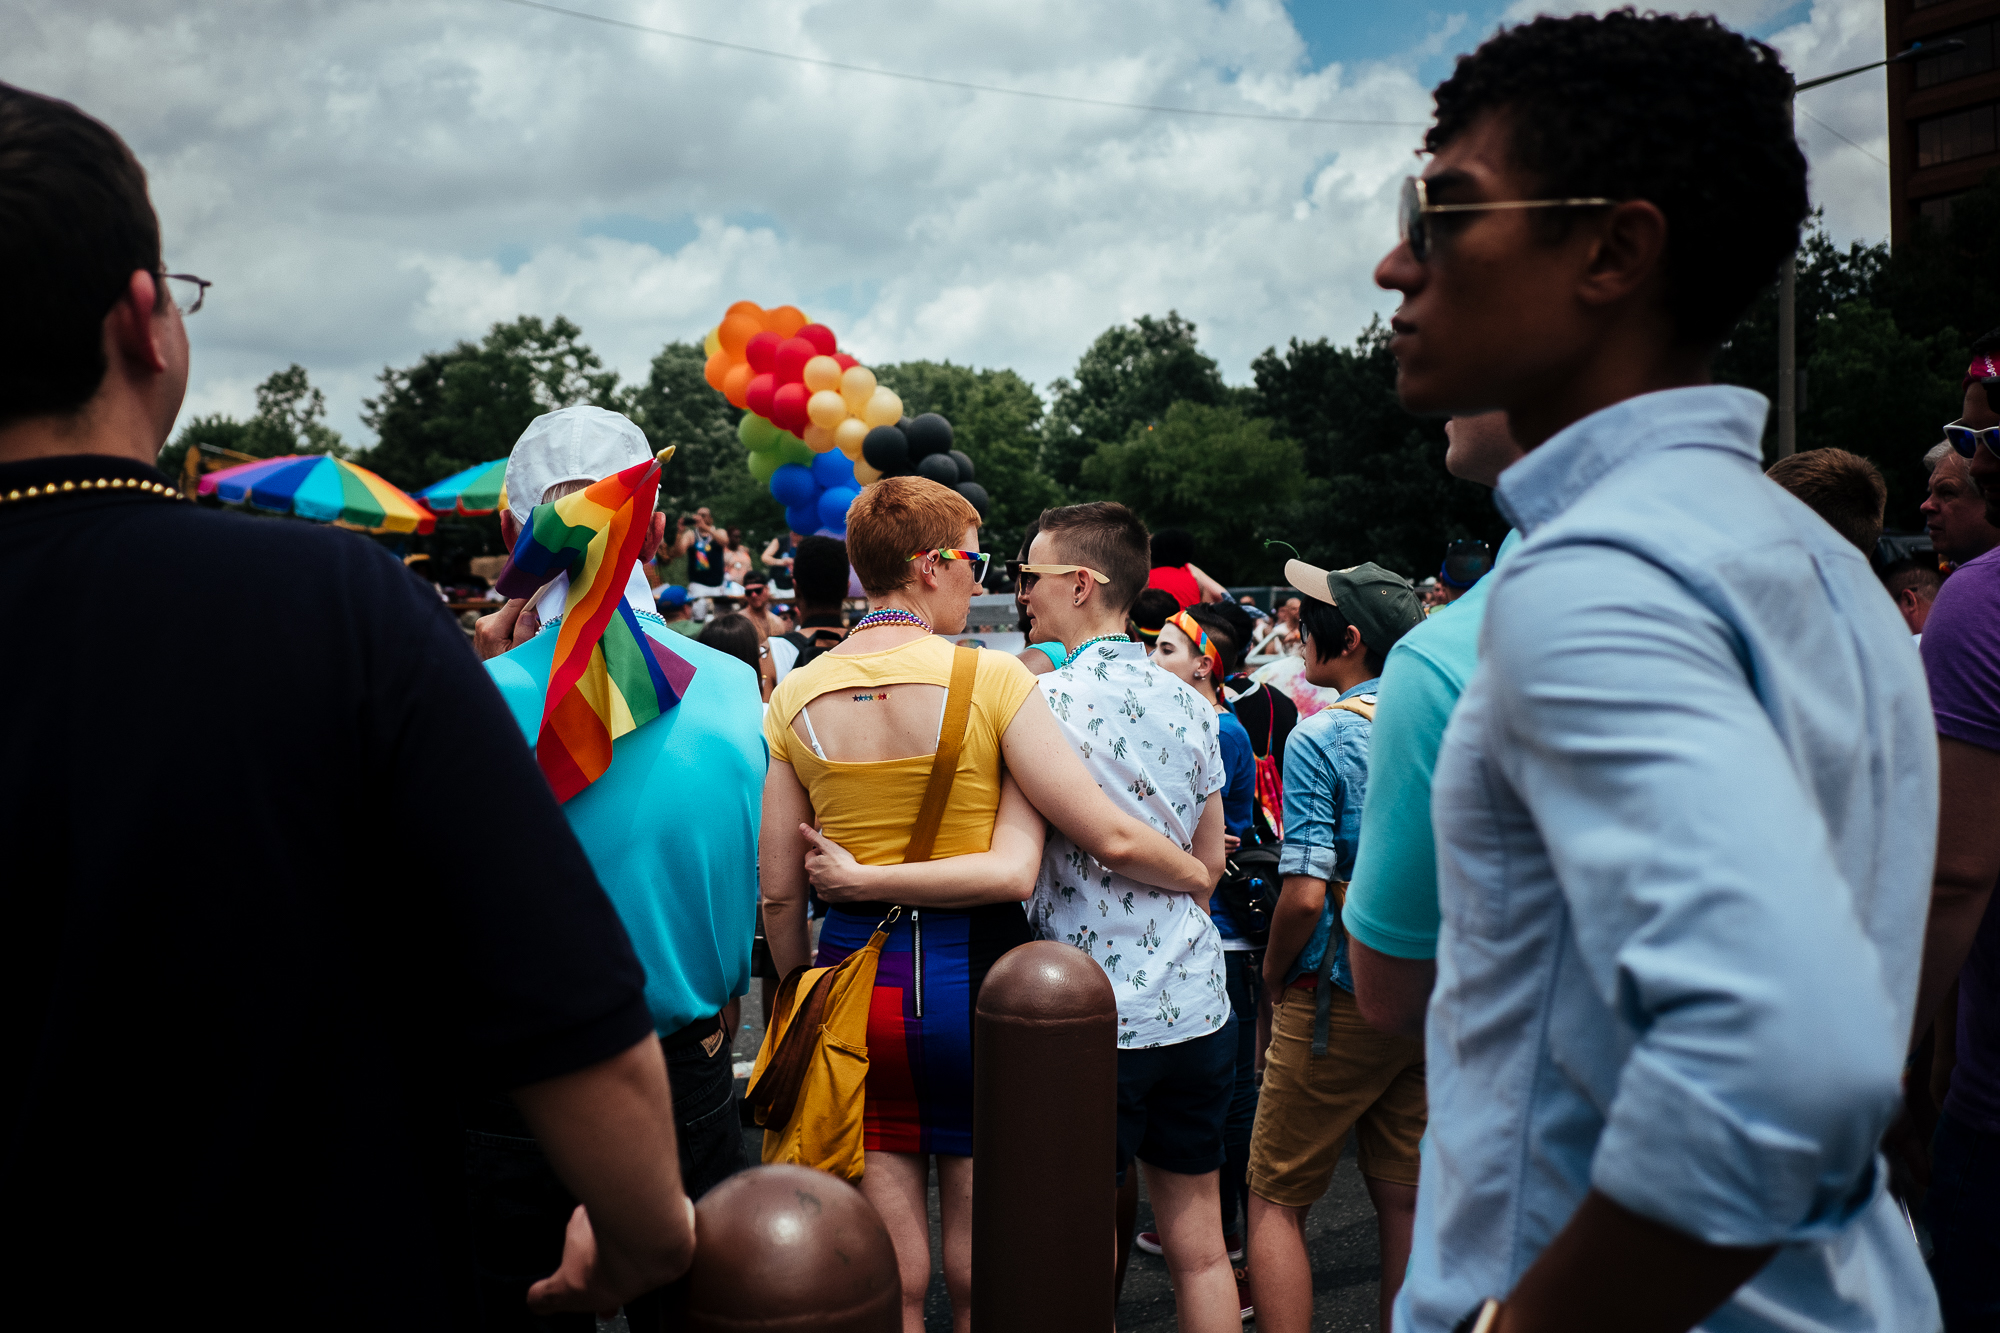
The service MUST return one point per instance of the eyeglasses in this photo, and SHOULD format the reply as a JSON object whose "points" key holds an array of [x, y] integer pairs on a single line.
{"points": [[1416, 206], [978, 559], [1026, 575], [1967, 440], [188, 291]]}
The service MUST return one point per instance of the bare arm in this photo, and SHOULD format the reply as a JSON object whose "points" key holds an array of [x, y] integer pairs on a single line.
{"points": [[1968, 863], [1208, 849], [609, 1134], [1056, 782], [772, 558], [1301, 900], [1004, 873], [1211, 591], [1392, 992], [781, 867]]}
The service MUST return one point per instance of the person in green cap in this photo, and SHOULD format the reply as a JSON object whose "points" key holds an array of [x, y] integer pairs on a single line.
{"points": [[1326, 1070]]}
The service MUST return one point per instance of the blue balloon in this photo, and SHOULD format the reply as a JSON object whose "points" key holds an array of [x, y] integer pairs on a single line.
{"points": [[832, 469], [793, 486], [802, 518], [833, 506]]}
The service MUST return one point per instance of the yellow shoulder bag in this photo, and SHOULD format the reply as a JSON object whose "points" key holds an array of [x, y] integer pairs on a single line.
{"points": [[809, 1086]]}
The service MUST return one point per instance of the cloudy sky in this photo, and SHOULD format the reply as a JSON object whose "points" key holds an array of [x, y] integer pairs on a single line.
{"points": [[368, 179]]}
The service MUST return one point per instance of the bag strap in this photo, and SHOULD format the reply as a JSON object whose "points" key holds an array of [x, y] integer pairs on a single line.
{"points": [[944, 765], [1356, 707], [775, 1091]]}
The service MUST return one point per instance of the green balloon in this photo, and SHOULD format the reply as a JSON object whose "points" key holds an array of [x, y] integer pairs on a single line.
{"points": [[756, 433], [763, 462], [792, 449]]}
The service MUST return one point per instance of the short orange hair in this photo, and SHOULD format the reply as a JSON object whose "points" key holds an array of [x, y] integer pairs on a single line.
{"points": [[896, 517]]}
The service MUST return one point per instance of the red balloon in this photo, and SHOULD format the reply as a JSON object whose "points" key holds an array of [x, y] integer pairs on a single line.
{"points": [[788, 407], [846, 362], [793, 353], [762, 351], [758, 396], [821, 337]]}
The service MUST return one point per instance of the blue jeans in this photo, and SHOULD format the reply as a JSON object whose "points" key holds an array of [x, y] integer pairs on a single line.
{"points": [[1963, 1211], [1245, 980], [517, 1209]]}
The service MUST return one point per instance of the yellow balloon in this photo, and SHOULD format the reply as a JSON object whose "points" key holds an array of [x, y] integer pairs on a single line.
{"points": [[884, 408], [848, 435], [865, 474], [712, 343], [826, 408], [822, 372], [818, 438], [857, 386]]}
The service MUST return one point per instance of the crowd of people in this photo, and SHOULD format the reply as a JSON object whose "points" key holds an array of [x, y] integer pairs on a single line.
{"points": [[1625, 896]]}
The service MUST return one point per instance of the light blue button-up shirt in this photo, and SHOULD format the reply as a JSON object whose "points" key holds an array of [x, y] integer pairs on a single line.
{"points": [[1326, 784], [1685, 816]]}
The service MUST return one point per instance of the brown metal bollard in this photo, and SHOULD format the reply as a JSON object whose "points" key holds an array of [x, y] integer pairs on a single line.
{"points": [[780, 1248], [1044, 1143]]}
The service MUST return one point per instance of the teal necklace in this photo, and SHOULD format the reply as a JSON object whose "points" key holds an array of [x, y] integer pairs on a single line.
{"points": [[1102, 638]]}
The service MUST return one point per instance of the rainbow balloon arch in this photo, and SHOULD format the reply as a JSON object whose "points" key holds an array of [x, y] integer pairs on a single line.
{"points": [[817, 426]]}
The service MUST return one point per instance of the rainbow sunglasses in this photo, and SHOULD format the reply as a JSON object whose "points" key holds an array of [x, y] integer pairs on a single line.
{"points": [[979, 559]]}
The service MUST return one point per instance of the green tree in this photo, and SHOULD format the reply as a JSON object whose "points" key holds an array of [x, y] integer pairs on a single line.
{"points": [[996, 419], [1130, 375], [1217, 473], [468, 405], [290, 419], [676, 406]]}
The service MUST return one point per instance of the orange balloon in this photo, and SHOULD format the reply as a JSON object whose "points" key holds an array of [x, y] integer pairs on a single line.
{"points": [[785, 320], [736, 384], [818, 438], [714, 369], [750, 308], [735, 331], [864, 473]]}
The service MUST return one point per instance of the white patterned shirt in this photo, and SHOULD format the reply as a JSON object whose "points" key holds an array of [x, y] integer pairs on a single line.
{"points": [[1151, 743]]}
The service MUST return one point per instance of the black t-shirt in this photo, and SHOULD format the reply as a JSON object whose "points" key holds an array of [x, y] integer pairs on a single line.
{"points": [[705, 561], [284, 887]]}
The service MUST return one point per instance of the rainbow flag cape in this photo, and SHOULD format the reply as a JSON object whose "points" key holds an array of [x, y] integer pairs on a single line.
{"points": [[608, 677]]}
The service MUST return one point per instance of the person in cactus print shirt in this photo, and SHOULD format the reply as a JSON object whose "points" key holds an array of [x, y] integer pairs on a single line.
{"points": [[1153, 746]]}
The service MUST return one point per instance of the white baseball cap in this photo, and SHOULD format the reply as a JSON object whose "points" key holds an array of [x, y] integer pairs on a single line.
{"points": [[574, 444]]}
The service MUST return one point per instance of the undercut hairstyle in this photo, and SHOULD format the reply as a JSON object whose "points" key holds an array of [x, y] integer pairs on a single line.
{"points": [[1221, 635], [897, 517], [1680, 112], [75, 223], [819, 574], [732, 634], [1915, 574], [1172, 548], [1110, 539], [1844, 489], [1326, 625]]}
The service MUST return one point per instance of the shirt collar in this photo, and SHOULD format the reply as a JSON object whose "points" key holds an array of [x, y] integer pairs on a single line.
{"points": [[638, 595], [1553, 476], [1368, 686]]}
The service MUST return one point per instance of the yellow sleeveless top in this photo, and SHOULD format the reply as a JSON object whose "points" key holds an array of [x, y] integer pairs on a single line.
{"points": [[868, 807]]}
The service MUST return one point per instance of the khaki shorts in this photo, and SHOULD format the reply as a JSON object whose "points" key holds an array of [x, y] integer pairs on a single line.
{"points": [[1368, 1081]]}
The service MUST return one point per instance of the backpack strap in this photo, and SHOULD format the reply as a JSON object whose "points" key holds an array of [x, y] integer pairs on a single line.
{"points": [[774, 1089], [1359, 707], [944, 765]]}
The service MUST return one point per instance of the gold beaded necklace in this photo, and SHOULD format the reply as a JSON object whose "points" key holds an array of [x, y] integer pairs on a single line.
{"points": [[165, 492]]}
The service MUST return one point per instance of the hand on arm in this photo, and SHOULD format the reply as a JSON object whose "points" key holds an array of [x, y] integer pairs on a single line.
{"points": [[1968, 863], [781, 871], [1301, 901], [1004, 873], [608, 1131], [1209, 836], [1057, 784], [1392, 993]]}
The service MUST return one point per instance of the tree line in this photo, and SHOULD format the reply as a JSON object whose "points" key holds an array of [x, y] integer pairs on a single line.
{"points": [[1314, 453]]}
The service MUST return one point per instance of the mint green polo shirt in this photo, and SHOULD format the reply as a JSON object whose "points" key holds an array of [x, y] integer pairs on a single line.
{"points": [[1392, 902], [671, 827]]}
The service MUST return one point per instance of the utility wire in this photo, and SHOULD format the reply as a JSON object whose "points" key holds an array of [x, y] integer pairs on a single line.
{"points": [[953, 83], [1838, 135]]}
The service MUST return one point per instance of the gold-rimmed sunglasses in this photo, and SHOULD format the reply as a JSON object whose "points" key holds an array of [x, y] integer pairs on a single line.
{"points": [[1415, 209], [1025, 575]]}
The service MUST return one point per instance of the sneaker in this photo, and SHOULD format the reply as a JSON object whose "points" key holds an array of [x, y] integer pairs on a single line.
{"points": [[1243, 1294], [1149, 1241], [1234, 1244]]}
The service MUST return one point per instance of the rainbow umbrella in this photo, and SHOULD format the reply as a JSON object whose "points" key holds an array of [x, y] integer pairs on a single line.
{"points": [[322, 488], [473, 491]]}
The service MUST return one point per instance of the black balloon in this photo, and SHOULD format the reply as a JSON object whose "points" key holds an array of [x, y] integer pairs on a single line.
{"points": [[886, 450], [976, 493], [938, 468], [928, 434], [958, 456]]}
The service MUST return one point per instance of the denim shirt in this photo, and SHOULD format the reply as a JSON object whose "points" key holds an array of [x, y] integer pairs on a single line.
{"points": [[1685, 817], [1326, 782]]}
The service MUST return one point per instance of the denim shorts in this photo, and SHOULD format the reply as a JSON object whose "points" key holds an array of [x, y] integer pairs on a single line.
{"points": [[1173, 1102]]}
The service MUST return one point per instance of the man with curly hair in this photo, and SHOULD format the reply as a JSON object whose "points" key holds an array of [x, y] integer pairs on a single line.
{"points": [[1664, 1042]]}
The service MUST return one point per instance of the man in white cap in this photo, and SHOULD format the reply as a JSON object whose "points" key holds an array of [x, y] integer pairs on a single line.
{"points": [[670, 828]]}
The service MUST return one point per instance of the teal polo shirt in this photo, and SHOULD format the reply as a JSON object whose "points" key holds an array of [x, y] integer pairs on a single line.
{"points": [[1392, 903], [671, 827]]}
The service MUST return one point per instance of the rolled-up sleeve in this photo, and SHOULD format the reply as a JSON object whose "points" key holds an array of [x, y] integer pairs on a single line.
{"points": [[1705, 902]]}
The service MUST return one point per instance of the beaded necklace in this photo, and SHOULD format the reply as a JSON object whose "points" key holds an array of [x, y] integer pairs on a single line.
{"points": [[890, 615], [101, 484], [1102, 638]]}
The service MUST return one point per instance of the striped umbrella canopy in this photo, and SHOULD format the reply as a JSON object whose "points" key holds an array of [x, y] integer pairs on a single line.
{"points": [[473, 491], [322, 488]]}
